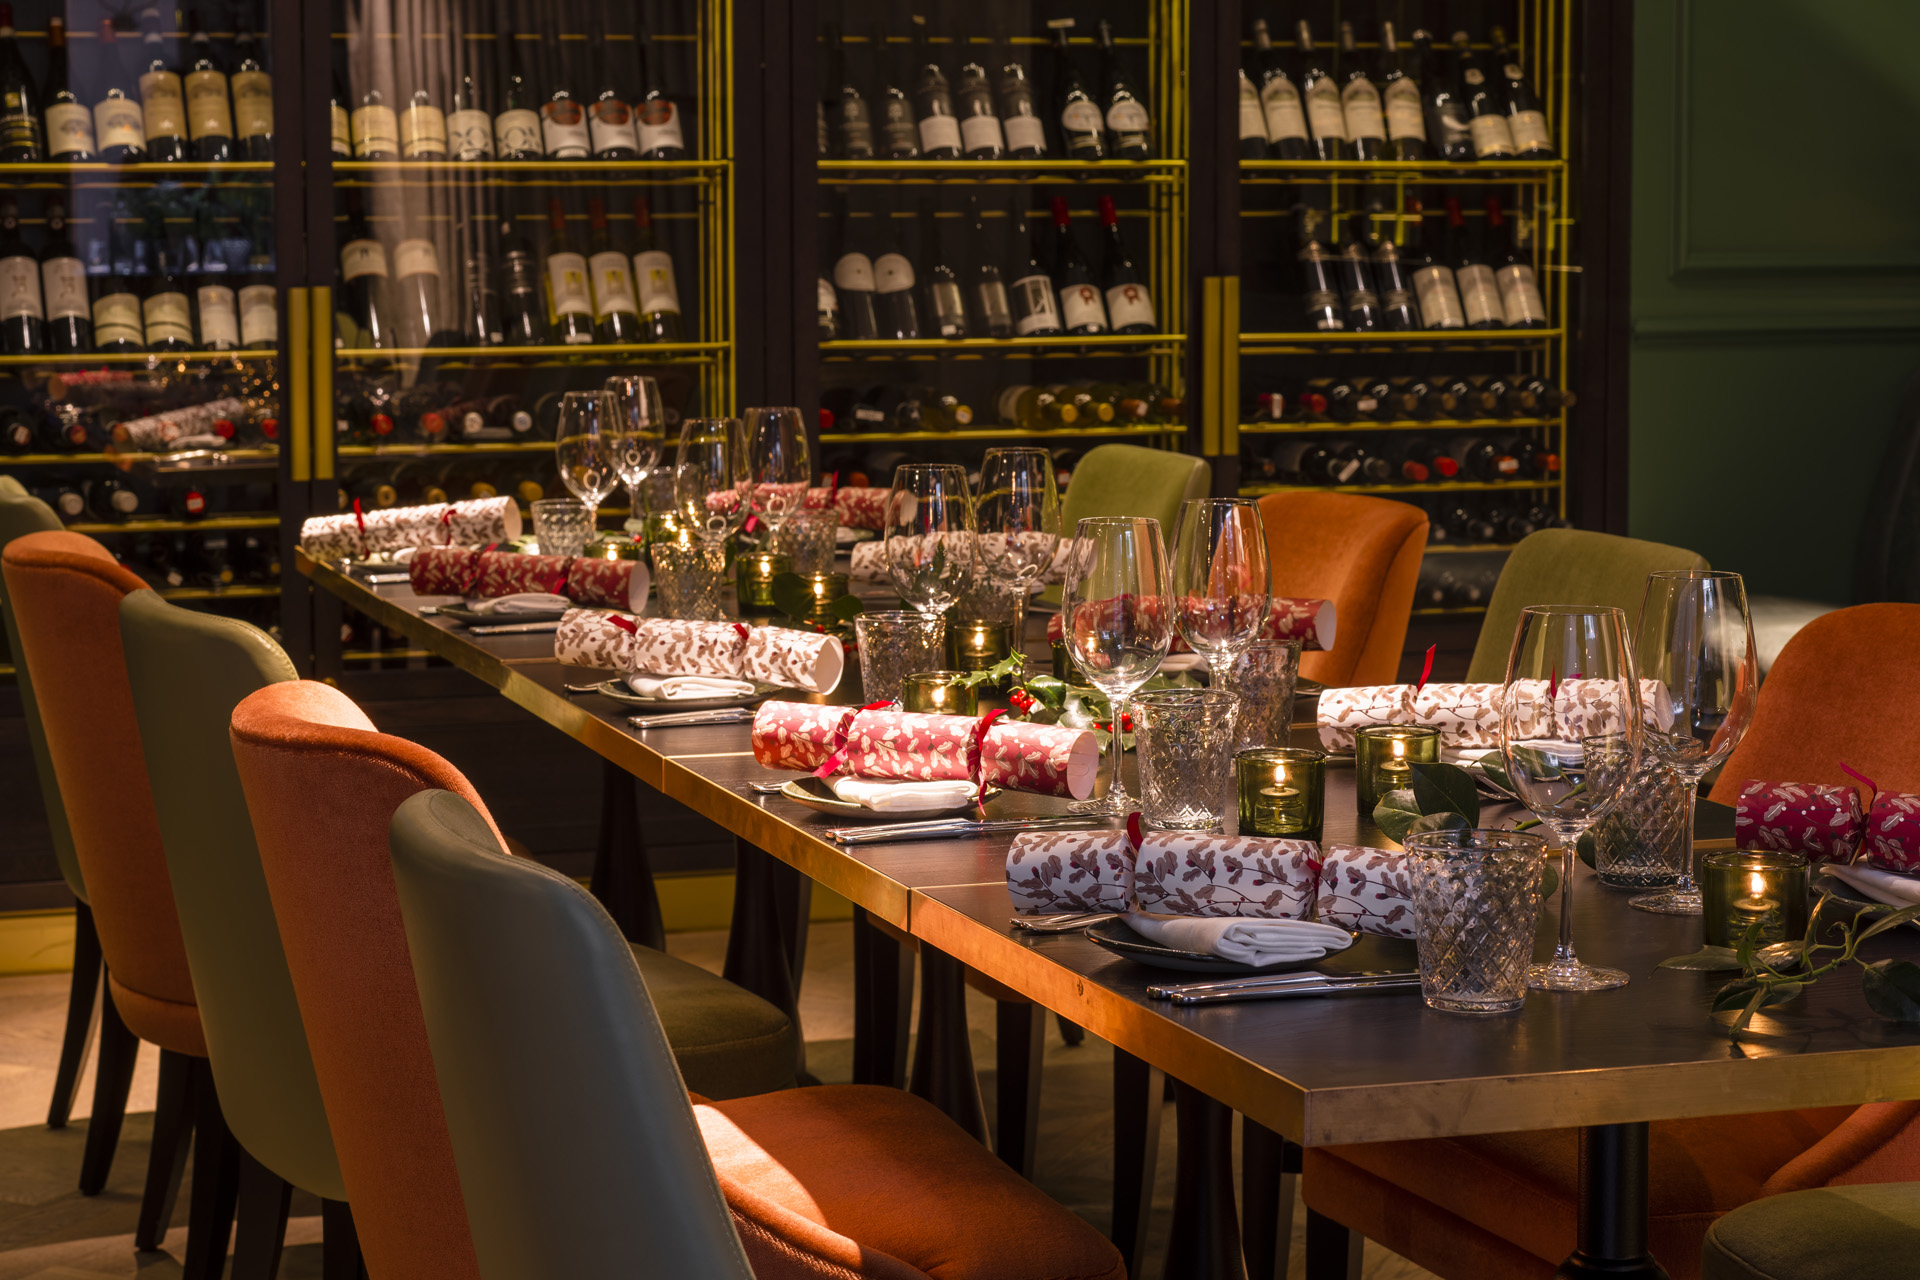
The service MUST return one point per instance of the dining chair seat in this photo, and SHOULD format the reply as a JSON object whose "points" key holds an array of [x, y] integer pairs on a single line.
{"points": [[1364, 555], [1833, 1233]]}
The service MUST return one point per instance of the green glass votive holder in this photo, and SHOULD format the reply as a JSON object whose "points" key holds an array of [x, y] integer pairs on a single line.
{"points": [[939, 693], [1282, 791], [753, 576], [1741, 886], [825, 589], [1062, 662], [1383, 759], [974, 645]]}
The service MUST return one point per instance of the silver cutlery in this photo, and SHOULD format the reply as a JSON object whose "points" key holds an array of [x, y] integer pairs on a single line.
{"points": [[1168, 991], [387, 579], [580, 688], [513, 628], [938, 827], [1322, 988], [766, 788], [1060, 924], [726, 715]]}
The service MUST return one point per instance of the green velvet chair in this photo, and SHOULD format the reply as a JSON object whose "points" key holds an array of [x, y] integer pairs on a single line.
{"points": [[1568, 566], [1869, 1232], [21, 513], [1127, 480]]}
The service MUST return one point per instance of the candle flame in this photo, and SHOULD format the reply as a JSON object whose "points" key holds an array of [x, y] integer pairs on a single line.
{"points": [[1756, 883], [1279, 775], [1399, 748]]}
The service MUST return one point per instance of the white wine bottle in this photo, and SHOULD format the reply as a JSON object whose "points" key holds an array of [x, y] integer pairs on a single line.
{"points": [[1325, 114], [1360, 103]]}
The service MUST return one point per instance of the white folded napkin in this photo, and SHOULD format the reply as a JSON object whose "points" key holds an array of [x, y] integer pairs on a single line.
{"points": [[905, 797], [1255, 942], [524, 602], [1890, 887], [682, 688]]}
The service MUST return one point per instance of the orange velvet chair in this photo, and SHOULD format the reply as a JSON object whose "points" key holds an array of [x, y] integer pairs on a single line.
{"points": [[323, 788], [1364, 555], [1502, 1206], [65, 591]]}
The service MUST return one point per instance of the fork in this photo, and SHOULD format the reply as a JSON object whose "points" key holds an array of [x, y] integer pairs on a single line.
{"points": [[1061, 923]]}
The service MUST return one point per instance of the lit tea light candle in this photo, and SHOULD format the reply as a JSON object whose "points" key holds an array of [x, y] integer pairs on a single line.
{"points": [[1282, 791], [825, 589], [753, 577], [975, 645], [1744, 887], [939, 693], [1383, 760]]}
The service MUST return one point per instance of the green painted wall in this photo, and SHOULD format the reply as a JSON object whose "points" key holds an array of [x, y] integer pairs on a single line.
{"points": [[1776, 276]]}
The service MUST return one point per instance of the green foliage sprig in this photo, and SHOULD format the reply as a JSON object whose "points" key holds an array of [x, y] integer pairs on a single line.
{"points": [[793, 597]]}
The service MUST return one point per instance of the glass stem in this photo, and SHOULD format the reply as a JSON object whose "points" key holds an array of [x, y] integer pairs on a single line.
{"points": [[1119, 705], [1686, 863], [1563, 952]]}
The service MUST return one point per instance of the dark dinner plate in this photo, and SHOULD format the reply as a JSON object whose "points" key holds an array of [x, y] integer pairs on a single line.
{"points": [[619, 691], [1117, 937], [473, 617]]}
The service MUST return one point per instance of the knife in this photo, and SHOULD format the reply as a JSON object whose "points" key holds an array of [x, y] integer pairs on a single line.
{"points": [[1253, 980], [1322, 988], [724, 715], [938, 827], [513, 628]]}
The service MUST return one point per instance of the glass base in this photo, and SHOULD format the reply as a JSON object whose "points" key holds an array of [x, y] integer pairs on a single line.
{"points": [[1670, 902], [1572, 975], [1116, 803]]}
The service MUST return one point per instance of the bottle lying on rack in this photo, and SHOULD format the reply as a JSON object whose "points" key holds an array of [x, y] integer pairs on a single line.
{"points": [[1407, 398]]}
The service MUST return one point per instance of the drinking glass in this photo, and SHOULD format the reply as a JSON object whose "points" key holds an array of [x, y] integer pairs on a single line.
{"points": [[929, 533], [1476, 897], [587, 448], [562, 526], [1570, 732], [1183, 740], [1116, 620], [1220, 580], [1695, 648], [642, 415], [1019, 523], [894, 644], [778, 464], [710, 478]]}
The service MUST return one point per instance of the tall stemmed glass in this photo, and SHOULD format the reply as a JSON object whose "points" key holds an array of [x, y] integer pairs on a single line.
{"points": [[1019, 523], [588, 447], [710, 478], [1220, 580], [778, 464], [642, 415], [1695, 639], [1117, 621], [929, 533], [1570, 730]]}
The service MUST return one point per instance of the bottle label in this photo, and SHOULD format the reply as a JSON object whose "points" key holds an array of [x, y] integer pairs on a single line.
{"points": [[219, 320], [1520, 296], [376, 131], [259, 317], [208, 115], [896, 126], [1080, 116], [1126, 116], [362, 258], [567, 281], [1129, 304], [892, 273], [342, 141], [855, 124], [1008, 404], [169, 318], [423, 131], [1491, 137], [1529, 130], [1405, 119], [1034, 305], [1252, 125], [517, 132], [252, 103], [981, 133], [853, 272], [1285, 117], [1360, 104], [69, 129], [937, 132], [613, 127], [1322, 303], [660, 126], [612, 285], [470, 135], [118, 123], [1359, 296], [1456, 135], [564, 126], [1478, 293], [20, 289], [949, 308], [1025, 133], [163, 105], [826, 301], [1082, 310], [415, 258], [991, 299], [64, 281], [1324, 112], [116, 320], [1439, 298]]}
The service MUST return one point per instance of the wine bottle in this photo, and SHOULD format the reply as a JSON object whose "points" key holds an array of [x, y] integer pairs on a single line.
{"points": [[1281, 112], [423, 124], [376, 126], [980, 135], [1082, 308], [893, 285], [1407, 461], [16, 437], [69, 124], [1391, 276], [1357, 292], [1325, 115], [661, 136], [111, 500], [209, 112], [932, 100], [1483, 459], [1310, 462], [616, 309], [63, 287], [1342, 399], [569, 297], [252, 97], [653, 279], [946, 301], [418, 287], [1026, 136], [364, 282], [899, 135], [481, 320], [1433, 281], [1364, 465], [987, 292], [1079, 116], [849, 121], [117, 327], [1401, 98], [1486, 114], [1129, 131], [1036, 312], [1449, 132], [118, 127], [563, 121], [611, 123], [23, 313], [340, 143], [1526, 122], [516, 130], [166, 312], [1520, 300], [1129, 304], [20, 138], [163, 103], [1253, 129], [1319, 280], [1366, 124], [853, 280], [1479, 292], [1034, 409], [469, 120], [215, 303], [257, 300]]}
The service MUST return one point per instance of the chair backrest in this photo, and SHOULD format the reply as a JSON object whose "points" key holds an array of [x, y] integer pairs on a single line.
{"points": [[66, 591], [1127, 480], [188, 671], [1568, 566], [322, 786], [578, 1150], [1826, 703], [20, 514], [1364, 555]]}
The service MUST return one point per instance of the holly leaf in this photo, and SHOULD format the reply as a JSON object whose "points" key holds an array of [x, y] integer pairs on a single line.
{"points": [[1446, 788], [1396, 813], [1892, 989], [1708, 959], [1437, 822], [791, 595], [846, 609], [1494, 765], [1585, 849]]}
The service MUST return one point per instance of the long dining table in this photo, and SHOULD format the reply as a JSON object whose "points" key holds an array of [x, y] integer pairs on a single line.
{"points": [[1313, 1072]]}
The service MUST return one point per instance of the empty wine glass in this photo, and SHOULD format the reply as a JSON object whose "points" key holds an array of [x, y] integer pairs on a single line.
{"points": [[1018, 514], [588, 448], [1695, 649], [1220, 580], [710, 478], [1116, 621], [642, 415], [929, 533], [779, 465], [1570, 732]]}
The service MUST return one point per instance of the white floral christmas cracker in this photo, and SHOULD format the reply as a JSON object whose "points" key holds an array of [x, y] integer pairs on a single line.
{"points": [[1070, 871], [1191, 873], [1468, 715], [360, 535], [677, 647], [1366, 890]]}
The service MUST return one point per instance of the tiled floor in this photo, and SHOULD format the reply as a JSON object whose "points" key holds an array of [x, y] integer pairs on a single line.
{"points": [[48, 1231]]}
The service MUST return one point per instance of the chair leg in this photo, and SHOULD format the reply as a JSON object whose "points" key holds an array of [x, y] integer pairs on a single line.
{"points": [[112, 1079], [260, 1232], [216, 1182], [1138, 1089], [339, 1243], [173, 1117], [1269, 1169], [82, 993], [1071, 1032], [1020, 1039], [1333, 1251]]}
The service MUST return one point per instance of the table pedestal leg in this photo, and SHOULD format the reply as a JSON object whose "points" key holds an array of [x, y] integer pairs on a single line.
{"points": [[766, 936], [942, 1056], [1138, 1089], [1613, 1207], [882, 1004], [1204, 1241], [622, 877], [1269, 1168]]}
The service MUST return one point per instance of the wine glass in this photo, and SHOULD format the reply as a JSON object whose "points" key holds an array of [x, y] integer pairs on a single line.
{"points": [[1018, 513], [1695, 649], [588, 448], [779, 465], [929, 533], [1220, 580], [1570, 732], [710, 478], [642, 415], [1116, 620]]}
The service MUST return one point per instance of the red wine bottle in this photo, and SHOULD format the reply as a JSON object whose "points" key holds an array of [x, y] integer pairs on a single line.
{"points": [[1319, 279], [1325, 115], [1129, 304], [849, 121], [1282, 114], [1358, 297], [1081, 121], [981, 137], [117, 125], [616, 308], [21, 140], [1026, 136], [1366, 123], [69, 123], [1433, 281], [1400, 99], [662, 136], [654, 280], [1486, 113], [1082, 309], [1520, 299], [1129, 129], [1036, 310], [899, 134], [1479, 292], [1526, 122], [63, 287], [23, 313], [987, 286]]}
